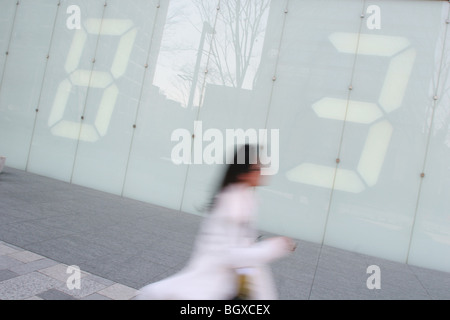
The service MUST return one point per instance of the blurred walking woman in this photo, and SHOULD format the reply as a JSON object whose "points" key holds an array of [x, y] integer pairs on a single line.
{"points": [[226, 251]]}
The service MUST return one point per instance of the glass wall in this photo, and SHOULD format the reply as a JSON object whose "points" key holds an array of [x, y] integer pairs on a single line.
{"points": [[351, 98]]}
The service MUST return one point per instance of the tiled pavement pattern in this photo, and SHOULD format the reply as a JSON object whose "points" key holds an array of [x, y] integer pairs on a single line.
{"points": [[25, 275], [121, 244]]}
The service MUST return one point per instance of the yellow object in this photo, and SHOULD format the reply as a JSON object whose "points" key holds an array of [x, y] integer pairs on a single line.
{"points": [[243, 287]]}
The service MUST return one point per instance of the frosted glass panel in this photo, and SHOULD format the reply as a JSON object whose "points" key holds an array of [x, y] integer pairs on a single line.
{"points": [[22, 80], [309, 74], [382, 151], [64, 93], [170, 100], [7, 14], [238, 88], [113, 94], [430, 244]]}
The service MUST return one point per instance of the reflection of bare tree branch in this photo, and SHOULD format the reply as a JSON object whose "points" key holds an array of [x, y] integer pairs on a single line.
{"points": [[254, 33], [183, 86], [441, 83], [233, 47], [228, 37], [206, 10]]}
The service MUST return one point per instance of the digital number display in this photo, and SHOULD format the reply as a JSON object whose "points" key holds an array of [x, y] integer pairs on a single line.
{"points": [[126, 32], [401, 60]]}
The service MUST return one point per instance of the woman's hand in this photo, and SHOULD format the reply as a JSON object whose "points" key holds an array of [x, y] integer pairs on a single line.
{"points": [[288, 243]]}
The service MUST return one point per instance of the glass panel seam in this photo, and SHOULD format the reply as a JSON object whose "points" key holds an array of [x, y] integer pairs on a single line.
{"points": [[87, 92], [140, 96], [42, 85], [269, 105], [9, 43], [434, 106], [200, 99], [322, 242]]}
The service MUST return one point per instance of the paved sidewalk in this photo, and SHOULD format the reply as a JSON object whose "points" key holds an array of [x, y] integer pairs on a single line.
{"points": [[122, 244], [25, 275]]}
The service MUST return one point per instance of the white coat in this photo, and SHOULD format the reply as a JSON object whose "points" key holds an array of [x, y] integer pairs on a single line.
{"points": [[226, 242]]}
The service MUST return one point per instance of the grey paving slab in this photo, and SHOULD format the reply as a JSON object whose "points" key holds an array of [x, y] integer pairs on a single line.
{"points": [[100, 280], [87, 287], [394, 292], [38, 195], [136, 272], [175, 247], [8, 262], [341, 274], [289, 289], [26, 286], [97, 207], [25, 233], [59, 207], [327, 292], [401, 279], [176, 226], [121, 238], [33, 266], [7, 216], [54, 294], [96, 296], [34, 298], [161, 230], [72, 249], [166, 255], [6, 249], [25, 256], [75, 223], [329, 284], [167, 273], [295, 269], [436, 283], [61, 272], [104, 265], [32, 212], [6, 274], [119, 292], [398, 279], [337, 259]]}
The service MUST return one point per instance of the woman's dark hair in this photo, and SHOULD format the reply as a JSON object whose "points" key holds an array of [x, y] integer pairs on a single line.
{"points": [[244, 159]]}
